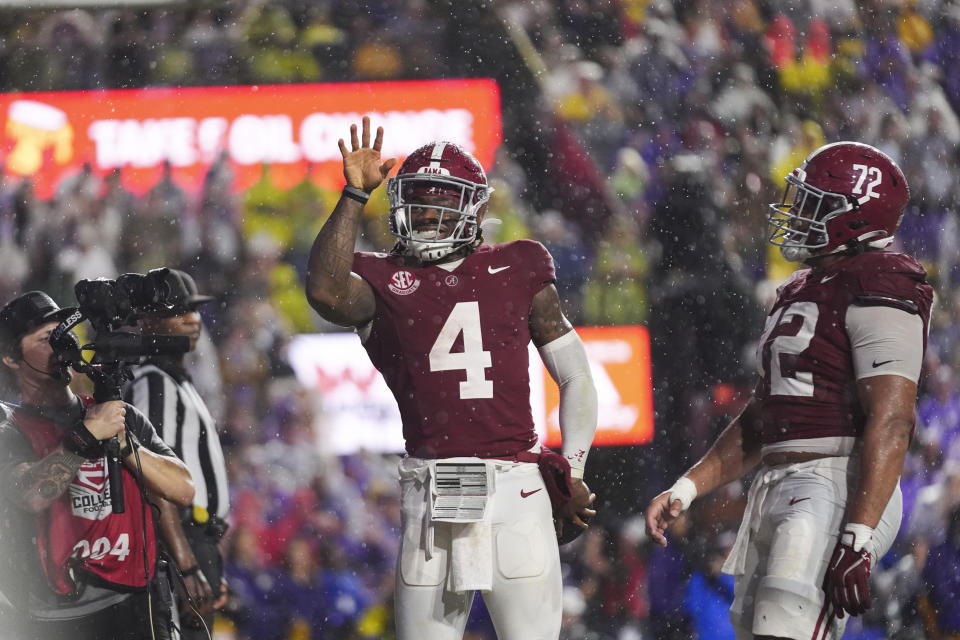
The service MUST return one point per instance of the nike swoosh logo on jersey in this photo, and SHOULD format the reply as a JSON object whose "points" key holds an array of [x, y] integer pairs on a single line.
{"points": [[527, 494], [493, 270], [827, 278], [880, 364], [794, 501]]}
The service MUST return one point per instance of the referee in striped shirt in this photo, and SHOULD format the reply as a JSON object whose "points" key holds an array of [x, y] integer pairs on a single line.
{"points": [[162, 389]]}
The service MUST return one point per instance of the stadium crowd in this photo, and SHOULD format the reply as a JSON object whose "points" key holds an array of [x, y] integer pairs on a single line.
{"points": [[665, 130]]}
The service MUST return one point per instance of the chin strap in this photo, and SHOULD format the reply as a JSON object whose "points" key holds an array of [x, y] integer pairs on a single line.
{"points": [[489, 222], [406, 248], [429, 251]]}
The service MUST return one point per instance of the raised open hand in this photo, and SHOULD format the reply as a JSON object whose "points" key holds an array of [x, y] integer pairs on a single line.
{"points": [[362, 166]]}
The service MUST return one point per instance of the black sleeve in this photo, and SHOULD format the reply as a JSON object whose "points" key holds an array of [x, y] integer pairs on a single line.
{"points": [[146, 434]]}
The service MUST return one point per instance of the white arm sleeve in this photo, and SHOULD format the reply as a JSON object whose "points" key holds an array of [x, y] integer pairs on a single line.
{"points": [[566, 360], [885, 341]]}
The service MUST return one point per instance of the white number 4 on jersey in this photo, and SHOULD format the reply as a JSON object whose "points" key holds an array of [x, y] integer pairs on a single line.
{"points": [[465, 318]]}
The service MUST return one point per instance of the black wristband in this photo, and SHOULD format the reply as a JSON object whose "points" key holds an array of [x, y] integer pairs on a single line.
{"points": [[80, 441], [195, 569], [132, 443], [356, 194]]}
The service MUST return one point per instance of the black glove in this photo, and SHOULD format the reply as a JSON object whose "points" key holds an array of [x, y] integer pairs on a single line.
{"points": [[80, 441]]}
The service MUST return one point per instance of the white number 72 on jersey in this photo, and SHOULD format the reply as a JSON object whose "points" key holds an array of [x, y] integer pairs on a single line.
{"points": [[788, 342], [465, 318]]}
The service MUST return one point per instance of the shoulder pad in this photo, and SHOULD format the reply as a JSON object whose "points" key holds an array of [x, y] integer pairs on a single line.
{"points": [[794, 281], [535, 255], [882, 278], [868, 300]]}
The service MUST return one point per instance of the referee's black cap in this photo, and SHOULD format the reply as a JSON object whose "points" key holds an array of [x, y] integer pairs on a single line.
{"points": [[184, 295]]}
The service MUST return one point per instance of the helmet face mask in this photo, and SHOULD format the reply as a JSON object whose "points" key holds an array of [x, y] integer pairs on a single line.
{"points": [[844, 194], [437, 201], [800, 220]]}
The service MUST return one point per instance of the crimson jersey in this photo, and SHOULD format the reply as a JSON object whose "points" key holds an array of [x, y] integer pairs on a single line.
{"points": [[808, 387], [452, 346]]}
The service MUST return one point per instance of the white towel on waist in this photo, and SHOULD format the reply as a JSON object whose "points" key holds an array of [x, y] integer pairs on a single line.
{"points": [[471, 556]]}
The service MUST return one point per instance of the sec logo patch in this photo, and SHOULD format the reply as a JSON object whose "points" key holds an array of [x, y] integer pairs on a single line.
{"points": [[403, 283]]}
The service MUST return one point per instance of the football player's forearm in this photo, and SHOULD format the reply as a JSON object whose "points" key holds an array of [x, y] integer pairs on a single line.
{"points": [[885, 446], [728, 459], [888, 402], [566, 360], [331, 257], [578, 421], [37, 485]]}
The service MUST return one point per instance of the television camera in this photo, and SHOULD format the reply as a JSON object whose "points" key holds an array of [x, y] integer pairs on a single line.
{"points": [[109, 305]]}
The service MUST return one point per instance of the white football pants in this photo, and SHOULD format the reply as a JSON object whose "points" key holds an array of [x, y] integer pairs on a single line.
{"points": [[525, 599]]}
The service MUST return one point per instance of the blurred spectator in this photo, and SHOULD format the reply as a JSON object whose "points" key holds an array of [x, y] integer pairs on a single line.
{"points": [[616, 291], [571, 255], [14, 218], [252, 606], [572, 625], [507, 219], [938, 413], [941, 578], [270, 44], [669, 575], [625, 589], [709, 593], [934, 504], [154, 238]]}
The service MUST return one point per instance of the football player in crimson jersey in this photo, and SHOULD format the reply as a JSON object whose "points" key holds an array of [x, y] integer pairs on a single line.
{"points": [[833, 411], [447, 320]]}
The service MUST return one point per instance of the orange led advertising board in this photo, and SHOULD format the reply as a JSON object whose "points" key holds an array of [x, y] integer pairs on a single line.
{"points": [[291, 127], [620, 363]]}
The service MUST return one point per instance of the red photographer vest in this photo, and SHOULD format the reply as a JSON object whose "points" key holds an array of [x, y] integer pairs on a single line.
{"points": [[79, 533]]}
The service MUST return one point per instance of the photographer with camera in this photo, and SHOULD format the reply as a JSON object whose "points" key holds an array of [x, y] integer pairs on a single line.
{"points": [[163, 390], [88, 569]]}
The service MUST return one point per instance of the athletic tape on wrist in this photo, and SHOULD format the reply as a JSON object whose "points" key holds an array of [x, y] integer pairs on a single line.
{"points": [[683, 490], [861, 535]]}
